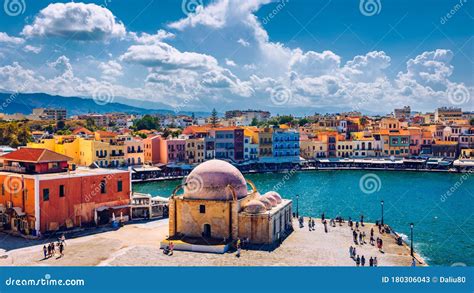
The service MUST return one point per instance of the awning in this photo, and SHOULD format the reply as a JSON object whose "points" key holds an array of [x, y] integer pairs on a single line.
{"points": [[146, 169], [160, 198], [19, 211]]}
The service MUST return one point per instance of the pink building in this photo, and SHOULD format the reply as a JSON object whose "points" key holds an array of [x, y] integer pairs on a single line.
{"points": [[415, 140], [172, 151]]}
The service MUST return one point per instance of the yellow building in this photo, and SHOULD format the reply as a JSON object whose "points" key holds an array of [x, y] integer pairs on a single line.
{"points": [[344, 148], [195, 150], [217, 209], [312, 148]]}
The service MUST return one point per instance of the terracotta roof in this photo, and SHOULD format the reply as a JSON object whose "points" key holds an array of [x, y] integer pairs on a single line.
{"points": [[82, 130], [34, 155], [106, 133]]}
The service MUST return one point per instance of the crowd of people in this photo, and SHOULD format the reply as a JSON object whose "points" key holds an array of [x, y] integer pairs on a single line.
{"points": [[50, 250]]}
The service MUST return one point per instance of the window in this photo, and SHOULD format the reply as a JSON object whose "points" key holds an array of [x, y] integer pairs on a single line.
{"points": [[61, 191], [46, 194], [202, 209], [119, 186], [103, 188]]}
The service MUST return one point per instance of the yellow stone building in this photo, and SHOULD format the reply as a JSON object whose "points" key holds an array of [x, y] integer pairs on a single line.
{"points": [[217, 208]]}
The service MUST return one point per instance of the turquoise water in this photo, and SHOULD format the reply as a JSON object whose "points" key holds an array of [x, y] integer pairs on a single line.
{"points": [[444, 230]]}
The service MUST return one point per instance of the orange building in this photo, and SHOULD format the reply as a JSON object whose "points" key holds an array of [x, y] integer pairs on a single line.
{"points": [[40, 193]]}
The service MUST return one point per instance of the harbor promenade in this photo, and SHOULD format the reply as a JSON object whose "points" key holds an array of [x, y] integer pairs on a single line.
{"points": [[137, 244]]}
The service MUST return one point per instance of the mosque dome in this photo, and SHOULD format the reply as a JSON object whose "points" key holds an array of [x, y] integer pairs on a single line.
{"points": [[210, 181], [275, 195], [254, 207], [266, 202], [271, 199]]}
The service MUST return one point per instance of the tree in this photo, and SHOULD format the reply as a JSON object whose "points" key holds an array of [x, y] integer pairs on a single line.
{"points": [[90, 124], [60, 125], [214, 118], [254, 122], [146, 122], [303, 121]]}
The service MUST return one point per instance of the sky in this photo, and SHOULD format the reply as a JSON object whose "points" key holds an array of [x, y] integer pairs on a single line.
{"points": [[286, 56]]}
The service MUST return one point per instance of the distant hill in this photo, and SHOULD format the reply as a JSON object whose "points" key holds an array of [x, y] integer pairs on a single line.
{"points": [[25, 103]]}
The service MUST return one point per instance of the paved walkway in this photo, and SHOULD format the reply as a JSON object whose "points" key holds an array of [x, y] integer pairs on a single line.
{"points": [[138, 245]]}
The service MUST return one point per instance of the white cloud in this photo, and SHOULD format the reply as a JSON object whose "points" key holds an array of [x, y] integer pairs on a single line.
{"points": [[145, 38], [76, 21], [32, 49], [5, 38], [229, 62], [110, 70], [243, 42]]}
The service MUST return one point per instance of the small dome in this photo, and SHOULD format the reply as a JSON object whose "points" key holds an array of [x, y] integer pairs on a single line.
{"points": [[271, 199], [266, 202], [210, 181], [254, 207], [275, 195]]}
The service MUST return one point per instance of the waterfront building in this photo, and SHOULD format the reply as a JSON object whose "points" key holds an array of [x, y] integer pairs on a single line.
{"points": [[415, 140], [152, 149], [366, 144], [116, 147], [445, 149], [229, 143], [345, 148], [286, 145], [217, 208], [395, 142], [134, 151], [172, 151], [209, 148], [265, 143], [195, 151], [467, 154], [250, 148], [40, 193], [312, 148]]}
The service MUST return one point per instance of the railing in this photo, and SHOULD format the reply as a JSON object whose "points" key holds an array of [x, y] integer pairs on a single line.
{"points": [[13, 169]]}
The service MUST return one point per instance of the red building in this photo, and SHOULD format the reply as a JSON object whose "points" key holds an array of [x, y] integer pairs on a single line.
{"points": [[40, 193]]}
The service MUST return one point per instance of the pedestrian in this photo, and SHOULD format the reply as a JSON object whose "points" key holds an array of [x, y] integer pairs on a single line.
{"points": [[171, 248], [413, 262], [45, 251], [357, 260], [375, 261], [362, 261], [325, 226], [372, 231], [322, 217], [357, 226], [312, 224], [309, 224], [371, 262], [372, 240], [350, 251], [362, 220], [363, 236], [381, 245], [53, 249], [354, 253], [360, 239], [61, 248], [49, 250]]}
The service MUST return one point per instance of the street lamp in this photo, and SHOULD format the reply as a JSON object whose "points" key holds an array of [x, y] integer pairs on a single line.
{"points": [[381, 204], [297, 206], [411, 232]]}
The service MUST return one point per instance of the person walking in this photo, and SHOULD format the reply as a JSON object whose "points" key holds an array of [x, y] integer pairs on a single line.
{"points": [[61, 248], [360, 239], [350, 251], [362, 220], [45, 251], [375, 261], [358, 260], [313, 225], [371, 262], [362, 261], [413, 262], [354, 253]]}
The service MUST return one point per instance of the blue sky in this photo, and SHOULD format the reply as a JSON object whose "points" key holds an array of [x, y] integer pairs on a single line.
{"points": [[290, 56]]}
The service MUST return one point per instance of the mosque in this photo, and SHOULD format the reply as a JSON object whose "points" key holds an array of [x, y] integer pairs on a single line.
{"points": [[217, 208]]}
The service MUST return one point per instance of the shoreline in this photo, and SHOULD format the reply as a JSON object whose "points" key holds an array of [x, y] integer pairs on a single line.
{"points": [[180, 177]]}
